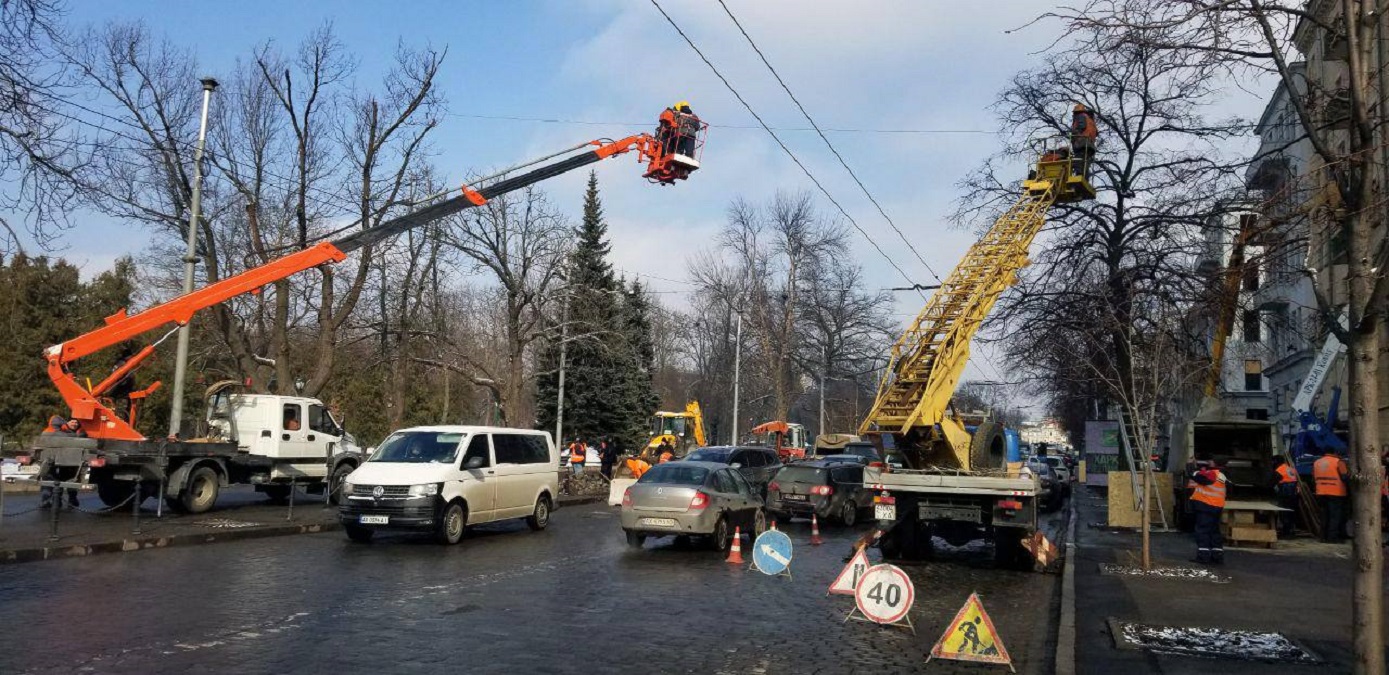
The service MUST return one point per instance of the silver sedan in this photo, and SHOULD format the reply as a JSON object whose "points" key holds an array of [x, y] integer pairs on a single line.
{"points": [[688, 498]]}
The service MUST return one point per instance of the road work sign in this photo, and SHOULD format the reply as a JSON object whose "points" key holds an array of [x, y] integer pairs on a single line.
{"points": [[971, 637], [884, 594], [847, 580], [771, 553]]}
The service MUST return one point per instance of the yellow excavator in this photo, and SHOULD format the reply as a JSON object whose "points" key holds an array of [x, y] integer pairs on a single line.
{"points": [[683, 431]]}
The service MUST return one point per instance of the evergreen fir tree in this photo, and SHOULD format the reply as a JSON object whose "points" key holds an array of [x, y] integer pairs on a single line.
{"points": [[639, 398]]}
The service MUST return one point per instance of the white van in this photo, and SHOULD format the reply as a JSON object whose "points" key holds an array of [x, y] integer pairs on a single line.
{"points": [[443, 479]]}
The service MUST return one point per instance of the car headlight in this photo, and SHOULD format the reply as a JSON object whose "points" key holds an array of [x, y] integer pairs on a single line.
{"points": [[426, 490], [347, 488]]}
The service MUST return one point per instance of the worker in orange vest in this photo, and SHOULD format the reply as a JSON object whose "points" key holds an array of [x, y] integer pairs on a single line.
{"points": [[576, 456], [1285, 487], [1208, 503], [665, 453], [1083, 135], [637, 467], [1330, 473]]}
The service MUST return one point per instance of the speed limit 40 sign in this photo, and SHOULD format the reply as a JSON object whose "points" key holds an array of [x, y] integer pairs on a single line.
{"points": [[884, 594]]}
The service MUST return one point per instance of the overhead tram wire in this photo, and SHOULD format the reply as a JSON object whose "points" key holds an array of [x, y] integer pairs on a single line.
{"points": [[643, 125], [826, 139], [784, 148]]}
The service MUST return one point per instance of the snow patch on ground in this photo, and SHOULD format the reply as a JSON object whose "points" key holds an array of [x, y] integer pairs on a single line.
{"points": [[1184, 573], [1213, 643]]}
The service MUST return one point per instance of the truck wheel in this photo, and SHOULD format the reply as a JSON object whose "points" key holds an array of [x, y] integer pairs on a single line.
{"points": [[114, 492], [277, 494], [452, 522], [540, 517], [201, 491], [361, 535], [987, 448], [1008, 550], [340, 474], [848, 513]]}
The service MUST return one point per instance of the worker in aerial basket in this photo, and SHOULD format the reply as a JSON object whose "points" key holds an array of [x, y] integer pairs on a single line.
{"points": [[679, 127], [1207, 504], [1083, 135]]}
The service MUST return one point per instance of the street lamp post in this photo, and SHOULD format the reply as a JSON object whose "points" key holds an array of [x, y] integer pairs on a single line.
{"points": [[737, 375], [563, 355], [189, 260]]}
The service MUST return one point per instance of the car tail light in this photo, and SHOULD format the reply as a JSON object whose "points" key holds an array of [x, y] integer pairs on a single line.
{"points": [[822, 490], [1010, 505], [627, 497], [700, 501], [774, 486], [884, 499], [96, 462], [878, 465], [24, 460]]}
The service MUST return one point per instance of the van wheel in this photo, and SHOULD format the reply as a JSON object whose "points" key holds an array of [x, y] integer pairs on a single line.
{"points": [[759, 524], [848, 514], [361, 535], [201, 491], [635, 540], [449, 530], [541, 516]]}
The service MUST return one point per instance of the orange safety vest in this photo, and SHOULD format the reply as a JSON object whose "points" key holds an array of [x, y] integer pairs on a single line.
{"points": [[1213, 494], [576, 454], [666, 457], [1286, 474], [1330, 472], [637, 467], [1083, 125]]}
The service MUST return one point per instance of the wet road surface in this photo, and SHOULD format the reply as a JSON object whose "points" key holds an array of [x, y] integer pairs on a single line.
{"points": [[571, 599]]}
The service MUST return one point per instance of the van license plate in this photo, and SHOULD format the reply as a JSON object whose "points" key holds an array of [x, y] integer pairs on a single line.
{"points": [[374, 520], [658, 522], [885, 511]]}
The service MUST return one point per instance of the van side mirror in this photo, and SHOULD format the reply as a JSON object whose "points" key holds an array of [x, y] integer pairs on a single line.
{"points": [[473, 463], [735, 465]]}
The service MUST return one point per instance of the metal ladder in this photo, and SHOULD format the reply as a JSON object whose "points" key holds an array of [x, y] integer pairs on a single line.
{"points": [[1127, 433]]}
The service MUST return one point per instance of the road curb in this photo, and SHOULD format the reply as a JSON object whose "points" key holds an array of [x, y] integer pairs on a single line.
{"points": [[1066, 626], [129, 544], [577, 500]]}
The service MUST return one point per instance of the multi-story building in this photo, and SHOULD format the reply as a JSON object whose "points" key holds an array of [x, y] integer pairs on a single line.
{"points": [[1242, 389], [1048, 431], [1282, 295]]}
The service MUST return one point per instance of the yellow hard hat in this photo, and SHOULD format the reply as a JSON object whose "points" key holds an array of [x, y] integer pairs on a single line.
{"points": [[1080, 107], [680, 104]]}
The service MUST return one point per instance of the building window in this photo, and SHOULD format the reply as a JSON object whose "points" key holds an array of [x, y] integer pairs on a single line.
{"points": [[1253, 375], [1252, 332], [1251, 275], [1259, 414]]}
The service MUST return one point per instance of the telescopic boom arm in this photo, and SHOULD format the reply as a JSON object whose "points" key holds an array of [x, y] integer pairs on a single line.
{"points": [[663, 166]]}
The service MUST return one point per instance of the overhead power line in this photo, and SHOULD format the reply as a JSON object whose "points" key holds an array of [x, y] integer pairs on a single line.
{"points": [[610, 123], [826, 139], [781, 143]]}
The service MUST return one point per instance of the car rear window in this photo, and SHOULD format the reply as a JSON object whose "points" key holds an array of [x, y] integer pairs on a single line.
{"points": [[675, 473], [710, 455], [1054, 461], [801, 474]]}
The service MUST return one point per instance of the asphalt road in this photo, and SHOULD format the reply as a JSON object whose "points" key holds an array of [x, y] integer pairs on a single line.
{"points": [[571, 599]]}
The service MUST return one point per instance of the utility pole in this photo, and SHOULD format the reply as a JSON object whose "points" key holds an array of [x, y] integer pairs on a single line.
{"points": [[189, 260], [824, 373], [737, 375], [563, 355]]}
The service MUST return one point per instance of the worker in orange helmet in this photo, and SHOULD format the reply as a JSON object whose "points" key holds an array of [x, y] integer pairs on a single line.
{"points": [[1207, 504], [678, 128], [1329, 473], [1083, 135]]}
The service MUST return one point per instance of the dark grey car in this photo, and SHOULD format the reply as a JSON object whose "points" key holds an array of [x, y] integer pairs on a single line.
{"points": [[757, 464], [686, 498], [832, 490]]}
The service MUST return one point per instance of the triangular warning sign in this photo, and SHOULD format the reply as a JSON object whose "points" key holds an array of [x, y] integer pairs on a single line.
{"points": [[847, 581], [971, 637]]}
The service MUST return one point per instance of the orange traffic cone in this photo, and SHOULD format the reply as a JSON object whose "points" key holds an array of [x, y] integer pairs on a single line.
{"points": [[735, 552], [815, 539], [773, 524]]}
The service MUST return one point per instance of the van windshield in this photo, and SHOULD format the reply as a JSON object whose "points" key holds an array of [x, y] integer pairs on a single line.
{"points": [[419, 447]]}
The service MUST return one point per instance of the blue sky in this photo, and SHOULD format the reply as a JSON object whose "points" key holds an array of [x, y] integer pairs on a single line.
{"points": [[917, 64]]}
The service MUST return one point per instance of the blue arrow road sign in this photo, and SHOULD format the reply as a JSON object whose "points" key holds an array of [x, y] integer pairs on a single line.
{"points": [[772, 552]]}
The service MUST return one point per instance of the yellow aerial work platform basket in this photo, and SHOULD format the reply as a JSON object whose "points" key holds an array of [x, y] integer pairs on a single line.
{"points": [[1065, 164]]}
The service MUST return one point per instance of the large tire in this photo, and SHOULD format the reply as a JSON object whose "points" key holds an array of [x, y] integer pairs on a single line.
{"points": [[452, 523], [540, 517], [848, 513], [987, 447], [335, 481], [114, 492], [759, 524], [200, 492], [277, 494], [359, 534]]}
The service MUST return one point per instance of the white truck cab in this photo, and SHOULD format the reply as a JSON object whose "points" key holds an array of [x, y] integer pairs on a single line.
{"points": [[445, 478]]}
